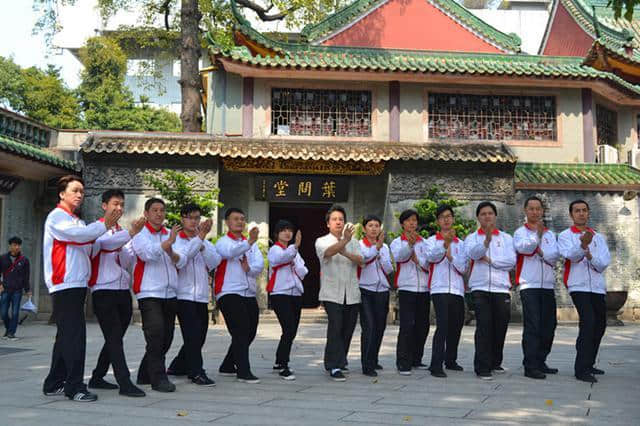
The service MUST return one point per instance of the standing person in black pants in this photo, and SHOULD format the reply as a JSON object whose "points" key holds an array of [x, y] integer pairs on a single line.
{"points": [[14, 280], [374, 293], [286, 272], [448, 264], [537, 254], [155, 281], [235, 290], [66, 249], [586, 258], [411, 280], [339, 257], [492, 257], [193, 294], [109, 283]]}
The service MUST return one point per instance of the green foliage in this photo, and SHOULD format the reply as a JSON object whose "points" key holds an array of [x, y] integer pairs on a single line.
{"points": [[623, 8], [176, 189], [39, 94], [426, 208]]}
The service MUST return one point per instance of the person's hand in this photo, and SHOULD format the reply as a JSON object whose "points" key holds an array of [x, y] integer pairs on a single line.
{"points": [[540, 229], [380, 240], [174, 233], [244, 263], [586, 239], [487, 239], [540, 252], [448, 254], [111, 217], [136, 226], [588, 255], [412, 237], [348, 233], [448, 237], [298, 239], [486, 259], [253, 235], [204, 229], [414, 258]]}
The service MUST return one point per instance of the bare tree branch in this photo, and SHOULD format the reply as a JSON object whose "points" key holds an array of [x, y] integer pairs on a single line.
{"points": [[263, 13]]}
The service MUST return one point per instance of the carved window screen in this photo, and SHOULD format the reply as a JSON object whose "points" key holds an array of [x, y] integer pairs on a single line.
{"points": [[484, 117], [606, 126], [307, 112]]}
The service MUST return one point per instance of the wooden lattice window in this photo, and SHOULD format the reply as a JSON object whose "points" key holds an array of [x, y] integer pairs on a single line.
{"points": [[308, 112], [485, 117], [606, 126]]}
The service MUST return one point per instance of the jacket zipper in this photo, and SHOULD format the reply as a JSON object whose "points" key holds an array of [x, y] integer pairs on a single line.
{"points": [[166, 269], [489, 254]]}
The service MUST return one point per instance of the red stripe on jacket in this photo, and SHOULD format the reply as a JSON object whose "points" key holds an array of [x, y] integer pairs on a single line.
{"points": [[138, 273]]}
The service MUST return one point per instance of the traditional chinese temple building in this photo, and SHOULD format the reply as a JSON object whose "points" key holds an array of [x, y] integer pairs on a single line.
{"points": [[386, 98]]}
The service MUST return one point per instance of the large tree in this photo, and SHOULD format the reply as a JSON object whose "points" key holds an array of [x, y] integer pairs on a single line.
{"points": [[186, 17]]}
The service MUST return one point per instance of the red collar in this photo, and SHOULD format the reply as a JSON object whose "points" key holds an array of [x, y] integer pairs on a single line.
{"points": [[575, 230], [495, 231], [66, 210], [403, 237], [279, 244], [233, 237], [526, 225], [366, 242], [440, 237], [151, 229], [184, 235], [117, 225]]}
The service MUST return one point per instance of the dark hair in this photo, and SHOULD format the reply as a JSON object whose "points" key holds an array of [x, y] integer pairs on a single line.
{"points": [[151, 201], [110, 193], [190, 208], [484, 204], [281, 225], [64, 181], [443, 208], [233, 210], [533, 198], [369, 218], [407, 214], [573, 203], [335, 208], [15, 240]]}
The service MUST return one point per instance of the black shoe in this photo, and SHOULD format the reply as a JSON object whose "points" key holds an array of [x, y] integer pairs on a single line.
{"points": [[589, 378], [287, 374], [548, 370], [54, 392], [534, 374], [379, 367], [421, 366], [596, 371], [83, 396], [228, 372], [171, 372], [100, 383], [345, 370], [485, 376], [438, 373], [132, 391], [454, 367], [278, 367], [165, 386], [337, 376], [370, 373], [499, 370], [250, 379], [203, 380]]}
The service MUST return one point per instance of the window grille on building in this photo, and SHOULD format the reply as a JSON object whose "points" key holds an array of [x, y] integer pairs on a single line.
{"points": [[484, 117], [307, 112], [606, 126]]}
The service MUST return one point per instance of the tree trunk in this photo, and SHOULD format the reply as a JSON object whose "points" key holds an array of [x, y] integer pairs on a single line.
{"points": [[190, 82]]}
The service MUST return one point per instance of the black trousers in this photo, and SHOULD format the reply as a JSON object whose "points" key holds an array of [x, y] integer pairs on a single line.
{"points": [[342, 320], [241, 316], [539, 316], [374, 308], [113, 309], [194, 323], [493, 312], [592, 310], [67, 359], [158, 324], [414, 328], [449, 321], [288, 310]]}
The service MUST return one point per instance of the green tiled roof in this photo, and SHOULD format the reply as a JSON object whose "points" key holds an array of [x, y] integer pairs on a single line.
{"points": [[346, 15], [34, 152], [577, 174], [411, 61]]}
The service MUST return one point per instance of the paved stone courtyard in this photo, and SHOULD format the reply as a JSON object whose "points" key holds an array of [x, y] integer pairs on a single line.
{"points": [[314, 399]]}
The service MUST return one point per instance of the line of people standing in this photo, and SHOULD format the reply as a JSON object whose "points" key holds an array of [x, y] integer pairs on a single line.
{"points": [[171, 269]]}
